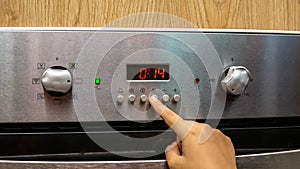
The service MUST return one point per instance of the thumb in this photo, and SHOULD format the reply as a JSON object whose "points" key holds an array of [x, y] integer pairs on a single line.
{"points": [[173, 155]]}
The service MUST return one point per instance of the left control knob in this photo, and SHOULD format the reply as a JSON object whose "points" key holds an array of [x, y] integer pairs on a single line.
{"points": [[57, 81]]}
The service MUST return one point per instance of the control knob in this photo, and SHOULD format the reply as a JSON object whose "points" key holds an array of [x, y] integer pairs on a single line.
{"points": [[57, 81], [236, 80]]}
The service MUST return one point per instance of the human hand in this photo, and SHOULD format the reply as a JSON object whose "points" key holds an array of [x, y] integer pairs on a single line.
{"points": [[202, 147]]}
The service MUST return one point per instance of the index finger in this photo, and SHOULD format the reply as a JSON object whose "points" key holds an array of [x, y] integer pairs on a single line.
{"points": [[180, 126]]}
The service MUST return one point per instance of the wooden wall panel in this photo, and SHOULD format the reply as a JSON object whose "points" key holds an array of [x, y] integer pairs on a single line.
{"points": [[246, 14]]}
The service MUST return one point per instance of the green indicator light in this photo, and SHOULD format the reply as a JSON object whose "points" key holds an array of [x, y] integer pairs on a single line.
{"points": [[97, 81]]}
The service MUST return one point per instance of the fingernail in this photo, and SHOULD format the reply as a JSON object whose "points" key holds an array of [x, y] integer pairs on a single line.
{"points": [[154, 98]]}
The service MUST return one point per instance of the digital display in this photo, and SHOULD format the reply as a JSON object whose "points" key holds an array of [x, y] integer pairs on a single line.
{"points": [[148, 72]]}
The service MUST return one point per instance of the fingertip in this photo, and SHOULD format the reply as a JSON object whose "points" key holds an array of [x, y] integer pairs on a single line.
{"points": [[154, 98], [170, 117], [156, 104]]}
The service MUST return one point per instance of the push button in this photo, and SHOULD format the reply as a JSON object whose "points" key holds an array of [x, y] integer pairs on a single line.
{"points": [[165, 98], [131, 98], [120, 98], [143, 98], [176, 98]]}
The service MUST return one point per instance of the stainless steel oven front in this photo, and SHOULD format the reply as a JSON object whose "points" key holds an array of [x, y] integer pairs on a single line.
{"points": [[82, 94]]}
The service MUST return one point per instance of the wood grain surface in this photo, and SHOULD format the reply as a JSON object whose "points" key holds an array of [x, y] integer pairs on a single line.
{"points": [[242, 14]]}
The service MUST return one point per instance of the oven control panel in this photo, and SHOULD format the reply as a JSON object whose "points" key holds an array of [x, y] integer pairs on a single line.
{"points": [[108, 75], [138, 65]]}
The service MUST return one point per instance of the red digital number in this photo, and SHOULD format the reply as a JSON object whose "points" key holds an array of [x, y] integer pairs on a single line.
{"points": [[143, 73], [160, 72]]}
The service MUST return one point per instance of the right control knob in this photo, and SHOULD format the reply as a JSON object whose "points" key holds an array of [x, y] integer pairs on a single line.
{"points": [[236, 80]]}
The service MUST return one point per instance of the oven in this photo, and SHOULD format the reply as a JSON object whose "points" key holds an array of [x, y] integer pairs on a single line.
{"points": [[79, 97]]}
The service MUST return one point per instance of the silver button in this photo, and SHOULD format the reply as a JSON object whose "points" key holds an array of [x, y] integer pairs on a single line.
{"points": [[131, 98], [144, 98], [176, 98], [120, 98], [165, 98]]}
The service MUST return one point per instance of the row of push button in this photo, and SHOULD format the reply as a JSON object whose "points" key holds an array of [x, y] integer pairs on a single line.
{"points": [[144, 98]]}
